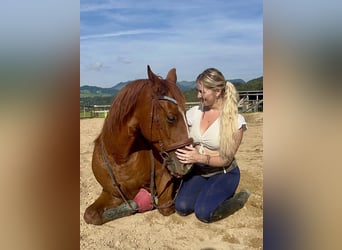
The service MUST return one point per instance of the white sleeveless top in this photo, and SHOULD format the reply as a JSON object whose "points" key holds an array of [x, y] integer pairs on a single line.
{"points": [[211, 137]]}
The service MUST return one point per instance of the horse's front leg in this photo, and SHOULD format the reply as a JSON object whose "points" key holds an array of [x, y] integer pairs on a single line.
{"points": [[94, 214]]}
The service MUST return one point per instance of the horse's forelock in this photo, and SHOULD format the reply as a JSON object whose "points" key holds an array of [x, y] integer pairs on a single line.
{"points": [[169, 88]]}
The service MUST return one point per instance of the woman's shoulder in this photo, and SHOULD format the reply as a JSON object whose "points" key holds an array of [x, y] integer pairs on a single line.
{"points": [[194, 109], [241, 117], [192, 113], [242, 122]]}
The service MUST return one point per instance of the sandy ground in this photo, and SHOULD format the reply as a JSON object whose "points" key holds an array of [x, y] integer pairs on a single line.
{"points": [[151, 230]]}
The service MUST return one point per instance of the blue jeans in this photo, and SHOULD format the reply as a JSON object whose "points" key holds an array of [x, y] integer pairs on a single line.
{"points": [[203, 195]]}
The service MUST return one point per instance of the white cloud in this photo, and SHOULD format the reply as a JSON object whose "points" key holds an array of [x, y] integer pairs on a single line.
{"points": [[123, 60], [127, 35], [120, 33], [98, 66]]}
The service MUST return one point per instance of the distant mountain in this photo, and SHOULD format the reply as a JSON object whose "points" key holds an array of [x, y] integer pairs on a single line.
{"points": [[120, 85], [240, 85], [89, 93], [237, 81], [87, 90], [186, 85], [254, 84]]}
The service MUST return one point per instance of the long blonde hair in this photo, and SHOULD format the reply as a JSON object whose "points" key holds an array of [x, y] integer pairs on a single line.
{"points": [[213, 79]]}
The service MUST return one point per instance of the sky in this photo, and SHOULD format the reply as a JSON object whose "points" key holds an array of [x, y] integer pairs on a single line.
{"points": [[119, 38]]}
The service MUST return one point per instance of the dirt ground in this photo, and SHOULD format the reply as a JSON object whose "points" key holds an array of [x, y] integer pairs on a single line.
{"points": [[151, 230]]}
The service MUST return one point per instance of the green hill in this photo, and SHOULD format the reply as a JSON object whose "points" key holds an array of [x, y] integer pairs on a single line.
{"points": [[91, 95], [254, 84]]}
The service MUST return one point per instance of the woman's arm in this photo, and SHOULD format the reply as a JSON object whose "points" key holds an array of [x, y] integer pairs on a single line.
{"points": [[209, 157], [216, 160]]}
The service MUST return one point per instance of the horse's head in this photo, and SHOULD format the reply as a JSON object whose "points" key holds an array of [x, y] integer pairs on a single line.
{"points": [[166, 128]]}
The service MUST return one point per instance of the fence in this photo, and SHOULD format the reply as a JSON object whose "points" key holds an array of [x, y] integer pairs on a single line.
{"points": [[250, 101], [93, 111]]}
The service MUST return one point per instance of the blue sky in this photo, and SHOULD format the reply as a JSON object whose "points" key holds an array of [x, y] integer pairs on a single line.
{"points": [[119, 38]]}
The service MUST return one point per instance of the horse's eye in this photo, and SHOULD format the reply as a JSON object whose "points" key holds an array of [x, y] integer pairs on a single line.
{"points": [[171, 118]]}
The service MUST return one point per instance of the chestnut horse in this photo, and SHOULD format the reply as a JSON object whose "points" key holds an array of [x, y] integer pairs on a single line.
{"points": [[135, 149]]}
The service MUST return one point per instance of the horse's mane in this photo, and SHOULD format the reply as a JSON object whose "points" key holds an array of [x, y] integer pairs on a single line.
{"points": [[125, 101]]}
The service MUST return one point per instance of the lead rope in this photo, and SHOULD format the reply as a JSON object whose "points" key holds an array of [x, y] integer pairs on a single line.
{"points": [[110, 171], [152, 180], [152, 159], [153, 196]]}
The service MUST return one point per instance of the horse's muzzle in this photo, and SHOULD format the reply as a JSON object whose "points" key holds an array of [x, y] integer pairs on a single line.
{"points": [[171, 161]]}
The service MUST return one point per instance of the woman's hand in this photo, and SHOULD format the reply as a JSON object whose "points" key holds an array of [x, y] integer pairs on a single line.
{"points": [[187, 155]]}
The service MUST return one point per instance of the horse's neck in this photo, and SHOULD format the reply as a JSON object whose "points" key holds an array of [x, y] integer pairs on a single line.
{"points": [[121, 143]]}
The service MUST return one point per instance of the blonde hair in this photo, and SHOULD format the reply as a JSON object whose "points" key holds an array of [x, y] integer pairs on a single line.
{"points": [[213, 79]]}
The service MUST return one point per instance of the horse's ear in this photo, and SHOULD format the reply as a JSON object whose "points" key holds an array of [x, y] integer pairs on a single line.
{"points": [[154, 79], [150, 74], [172, 76]]}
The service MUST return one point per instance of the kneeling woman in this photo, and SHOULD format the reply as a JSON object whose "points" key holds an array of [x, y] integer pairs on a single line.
{"points": [[217, 129]]}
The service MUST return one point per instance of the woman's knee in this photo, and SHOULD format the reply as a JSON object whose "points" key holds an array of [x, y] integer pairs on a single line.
{"points": [[203, 214], [182, 208]]}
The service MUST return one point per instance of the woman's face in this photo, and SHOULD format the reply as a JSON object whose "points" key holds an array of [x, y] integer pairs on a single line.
{"points": [[206, 96]]}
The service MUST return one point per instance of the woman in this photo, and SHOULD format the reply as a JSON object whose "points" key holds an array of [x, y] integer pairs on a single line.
{"points": [[217, 130]]}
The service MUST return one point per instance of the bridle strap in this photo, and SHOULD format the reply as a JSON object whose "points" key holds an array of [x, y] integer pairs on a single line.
{"points": [[110, 171], [167, 98], [175, 146], [168, 204], [152, 184]]}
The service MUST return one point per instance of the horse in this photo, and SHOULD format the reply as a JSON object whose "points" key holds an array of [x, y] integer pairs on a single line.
{"points": [[135, 149]]}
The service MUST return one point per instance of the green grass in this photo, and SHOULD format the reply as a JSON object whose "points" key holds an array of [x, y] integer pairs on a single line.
{"points": [[84, 95], [86, 114]]}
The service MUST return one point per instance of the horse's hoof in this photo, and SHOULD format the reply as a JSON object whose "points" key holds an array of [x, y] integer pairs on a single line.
{"points": [[166, 211], [91, 216]]}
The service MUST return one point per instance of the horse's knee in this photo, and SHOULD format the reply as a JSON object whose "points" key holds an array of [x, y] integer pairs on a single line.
{"points": [[92, 216]]}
